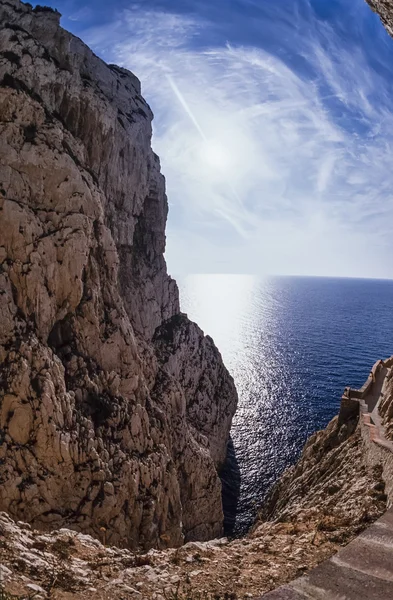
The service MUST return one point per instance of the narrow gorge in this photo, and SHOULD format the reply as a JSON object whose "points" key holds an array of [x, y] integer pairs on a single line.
{"points": [[115, 408]]}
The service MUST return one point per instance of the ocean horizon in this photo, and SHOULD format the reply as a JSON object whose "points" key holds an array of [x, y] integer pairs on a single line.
{"points": [[291, 343]]}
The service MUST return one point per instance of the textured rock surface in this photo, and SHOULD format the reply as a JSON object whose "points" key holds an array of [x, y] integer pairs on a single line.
{"points": [[114, 409], [331, 480], [385, 10], [336, 494], [333, 493], [65, 562], [193, 360]]}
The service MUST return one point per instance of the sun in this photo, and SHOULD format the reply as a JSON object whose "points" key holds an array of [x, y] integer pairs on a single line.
{"points": [[215, 155]]}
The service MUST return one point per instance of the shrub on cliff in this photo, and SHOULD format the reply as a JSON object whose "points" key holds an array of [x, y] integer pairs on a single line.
{"points": [[38, 9]]}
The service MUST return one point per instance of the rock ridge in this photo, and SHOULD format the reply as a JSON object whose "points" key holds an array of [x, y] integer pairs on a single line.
{"points": [[384, 8], [115, 409]]}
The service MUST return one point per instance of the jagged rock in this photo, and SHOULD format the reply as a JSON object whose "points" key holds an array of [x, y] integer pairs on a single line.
{"points": [[385, 10], [336, 480], [106, 426], [195, 362]]}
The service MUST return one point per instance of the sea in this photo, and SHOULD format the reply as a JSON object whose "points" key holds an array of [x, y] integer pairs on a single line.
{"points": [[291, 344]]}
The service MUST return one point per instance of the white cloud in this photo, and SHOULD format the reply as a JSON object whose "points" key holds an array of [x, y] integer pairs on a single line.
{"points": [[82, 14], [267, 170]]}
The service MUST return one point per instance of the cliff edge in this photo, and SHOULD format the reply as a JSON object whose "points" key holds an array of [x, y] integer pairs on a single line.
{"points": [[336, 490], [115, 409], [384, 8]]}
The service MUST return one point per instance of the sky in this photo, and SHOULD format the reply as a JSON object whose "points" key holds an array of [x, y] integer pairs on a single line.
{"points": [[274, 125]]}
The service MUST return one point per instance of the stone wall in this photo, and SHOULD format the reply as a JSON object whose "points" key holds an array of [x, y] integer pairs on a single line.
{"points": [[377, 450], [377, 454], [350, 405]]}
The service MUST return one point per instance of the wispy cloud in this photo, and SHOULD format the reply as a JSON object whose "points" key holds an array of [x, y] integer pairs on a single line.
{"points": [[269, 167], [82, 14]]}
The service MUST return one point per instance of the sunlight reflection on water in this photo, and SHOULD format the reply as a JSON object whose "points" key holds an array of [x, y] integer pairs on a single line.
{"points": [[282, 340]]}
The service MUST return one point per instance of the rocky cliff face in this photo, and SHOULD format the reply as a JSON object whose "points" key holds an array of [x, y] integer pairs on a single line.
{"points": [[335, 482], [114, 408], [385, 10], [333, 493]]}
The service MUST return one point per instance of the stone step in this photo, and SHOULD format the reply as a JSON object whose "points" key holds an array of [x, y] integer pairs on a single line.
{"points": [[363, 570]]}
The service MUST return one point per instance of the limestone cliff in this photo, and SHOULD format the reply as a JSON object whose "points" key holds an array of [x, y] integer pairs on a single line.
{"points": [[340, 485], [385, 10], [335, 482], [335, 491], [114, 408]]}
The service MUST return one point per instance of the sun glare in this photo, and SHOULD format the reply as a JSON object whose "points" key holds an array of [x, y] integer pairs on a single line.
{"points": [[215, 155]]}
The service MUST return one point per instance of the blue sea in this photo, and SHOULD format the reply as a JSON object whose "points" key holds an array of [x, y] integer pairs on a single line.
{"points": [[292, 344]]}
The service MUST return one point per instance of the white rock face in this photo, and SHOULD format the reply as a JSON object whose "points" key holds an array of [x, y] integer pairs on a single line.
{"points": [[114, 408], [385, 10]]}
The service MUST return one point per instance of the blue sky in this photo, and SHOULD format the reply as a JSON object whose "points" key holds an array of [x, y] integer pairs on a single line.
{"points": [[274, 124]]}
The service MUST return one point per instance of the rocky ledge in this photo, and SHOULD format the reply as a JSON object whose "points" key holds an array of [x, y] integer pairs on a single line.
{"points": [[340, 485], [115, 409], [320, 505]]}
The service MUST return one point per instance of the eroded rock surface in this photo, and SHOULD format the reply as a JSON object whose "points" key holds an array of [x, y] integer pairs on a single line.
{"points": [[114, 409], [385, 10], [336, 480], [333, 493]]}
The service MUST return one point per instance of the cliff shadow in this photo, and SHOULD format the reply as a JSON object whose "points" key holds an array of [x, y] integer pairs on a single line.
{"points": [[230, 479]]}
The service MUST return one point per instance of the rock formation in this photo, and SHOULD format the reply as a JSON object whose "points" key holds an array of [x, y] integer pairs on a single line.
{"points": [[114, 408], [340, 485], [332, 481], [385, 10], [333, 493]]}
